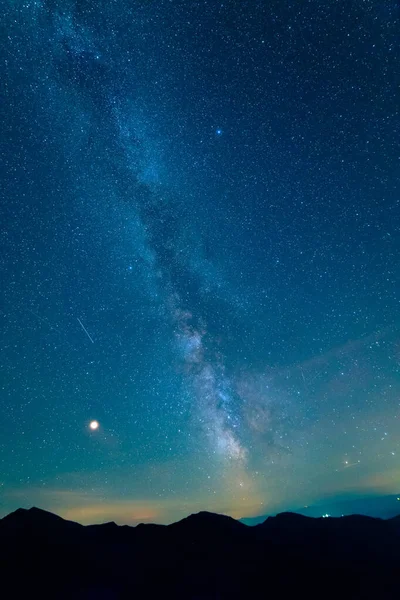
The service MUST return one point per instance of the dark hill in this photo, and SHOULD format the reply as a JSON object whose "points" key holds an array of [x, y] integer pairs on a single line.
{"points": [[206, 523], [202, 556], [35, 521]]}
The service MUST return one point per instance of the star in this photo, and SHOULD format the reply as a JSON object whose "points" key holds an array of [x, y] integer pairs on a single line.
{"points": [[94, 425]]}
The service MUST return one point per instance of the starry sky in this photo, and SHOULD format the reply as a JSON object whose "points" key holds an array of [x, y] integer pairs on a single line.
{"points": [[199, 250]]}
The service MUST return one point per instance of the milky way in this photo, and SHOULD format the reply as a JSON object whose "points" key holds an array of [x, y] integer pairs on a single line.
{"points": [[200, 251]]}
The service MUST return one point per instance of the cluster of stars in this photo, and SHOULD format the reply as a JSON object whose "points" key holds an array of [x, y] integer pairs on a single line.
{"points": [[205, 257]]}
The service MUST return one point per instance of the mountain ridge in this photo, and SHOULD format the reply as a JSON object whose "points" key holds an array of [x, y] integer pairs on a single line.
{"points": [[384, 507], [40, 514], [203, 556]]}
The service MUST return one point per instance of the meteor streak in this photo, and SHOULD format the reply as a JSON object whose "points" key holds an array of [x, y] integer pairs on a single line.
{"points": [[86, 331]]}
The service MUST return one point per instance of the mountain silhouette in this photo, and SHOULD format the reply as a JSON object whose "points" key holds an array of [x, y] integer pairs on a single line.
{"points": [[203, 556], [205, 523], [384, 507], [35, 518]]}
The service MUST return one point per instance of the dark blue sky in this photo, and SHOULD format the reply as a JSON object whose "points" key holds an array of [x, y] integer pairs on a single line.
{"points": [[200, 245]]}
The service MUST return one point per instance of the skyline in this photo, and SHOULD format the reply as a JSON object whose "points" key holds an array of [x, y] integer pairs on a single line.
{"points": [[200, 236]]}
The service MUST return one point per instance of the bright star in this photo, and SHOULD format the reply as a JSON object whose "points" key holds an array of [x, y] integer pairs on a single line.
{"points": [[94, 425], [219, 132]]}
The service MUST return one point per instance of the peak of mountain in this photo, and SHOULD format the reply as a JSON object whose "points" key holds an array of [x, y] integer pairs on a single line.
{"points": [[291, 516], [110, 526], [286, 524], [285, 519], [35, 519], [205, 515], [148, 526], [356, 518], [32, 514], [206, 519], [44, 515]]}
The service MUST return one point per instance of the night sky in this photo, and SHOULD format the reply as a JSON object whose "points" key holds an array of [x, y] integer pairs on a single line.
{"points": [[200, 251]]}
